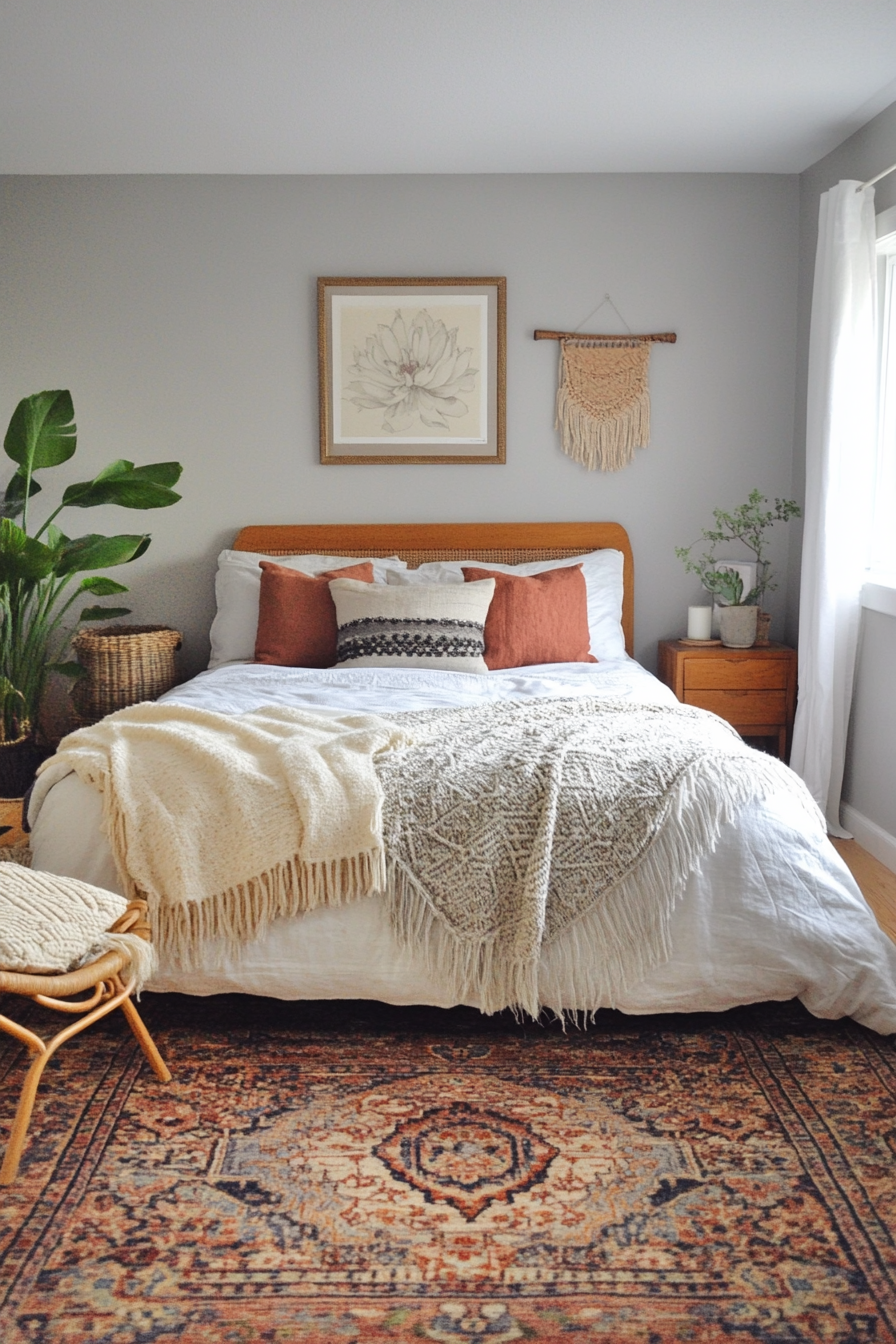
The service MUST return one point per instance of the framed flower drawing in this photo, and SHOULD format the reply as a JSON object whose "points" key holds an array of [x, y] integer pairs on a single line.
{"points": [[412, 370]]}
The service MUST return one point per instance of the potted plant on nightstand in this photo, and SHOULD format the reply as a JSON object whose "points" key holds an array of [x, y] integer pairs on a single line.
{"points": [[39, 566], [747, 524]]}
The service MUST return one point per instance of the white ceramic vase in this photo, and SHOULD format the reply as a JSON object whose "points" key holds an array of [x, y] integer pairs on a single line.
{"points": [[737, 626]]}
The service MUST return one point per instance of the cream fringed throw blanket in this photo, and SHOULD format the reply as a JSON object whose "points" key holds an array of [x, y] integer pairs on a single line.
{"points": [[603, 402], [223, 823]]}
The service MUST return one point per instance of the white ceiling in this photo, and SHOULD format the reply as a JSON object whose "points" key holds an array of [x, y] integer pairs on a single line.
{"points": [[437, 86]]}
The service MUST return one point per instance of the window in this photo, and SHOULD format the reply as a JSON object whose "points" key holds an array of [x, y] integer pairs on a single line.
{"points": [[883, 549]]}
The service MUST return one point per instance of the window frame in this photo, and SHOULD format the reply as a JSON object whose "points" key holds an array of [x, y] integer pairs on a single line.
{"points": [[879, 593]]}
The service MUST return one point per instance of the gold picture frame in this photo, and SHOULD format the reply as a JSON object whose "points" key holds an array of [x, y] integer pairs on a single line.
{"points": [[412, 370]]}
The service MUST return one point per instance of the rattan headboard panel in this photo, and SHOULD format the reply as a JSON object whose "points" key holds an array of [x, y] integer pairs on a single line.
{"points": [[417, 543]]}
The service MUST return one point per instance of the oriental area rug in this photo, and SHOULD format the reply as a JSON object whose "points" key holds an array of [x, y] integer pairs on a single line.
{"points": [[338, 1173]]}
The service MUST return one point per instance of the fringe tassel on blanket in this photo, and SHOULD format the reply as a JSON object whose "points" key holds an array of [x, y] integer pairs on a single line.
{"points": [[183, 933], [603, 402]]}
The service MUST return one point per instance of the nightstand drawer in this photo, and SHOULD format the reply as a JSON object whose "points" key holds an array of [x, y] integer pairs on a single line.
{"points": [[721, 673], [742, 707]]}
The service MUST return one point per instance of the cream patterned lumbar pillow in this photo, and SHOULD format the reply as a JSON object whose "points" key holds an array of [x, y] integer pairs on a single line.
{"points": [[50, 923], [436, 626]]}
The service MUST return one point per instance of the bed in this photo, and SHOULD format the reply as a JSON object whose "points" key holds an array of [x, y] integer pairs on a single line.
{"points": [[770, 913]]}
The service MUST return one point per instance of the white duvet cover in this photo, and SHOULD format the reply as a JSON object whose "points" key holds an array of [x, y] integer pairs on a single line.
{"points": [[773, 913]]}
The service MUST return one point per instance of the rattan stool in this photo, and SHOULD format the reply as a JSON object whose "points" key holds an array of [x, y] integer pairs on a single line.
{"points": [[108, 985]]}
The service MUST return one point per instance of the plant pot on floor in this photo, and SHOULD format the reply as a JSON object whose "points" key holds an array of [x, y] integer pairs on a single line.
{"points": [[737, 627], [18, 765]]}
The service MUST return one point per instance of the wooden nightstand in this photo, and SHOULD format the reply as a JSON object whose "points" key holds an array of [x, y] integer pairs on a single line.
{"points": [[754, 689]]}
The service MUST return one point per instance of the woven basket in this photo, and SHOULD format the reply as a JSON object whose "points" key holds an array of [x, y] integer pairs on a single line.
{"points": [[125, 665]]}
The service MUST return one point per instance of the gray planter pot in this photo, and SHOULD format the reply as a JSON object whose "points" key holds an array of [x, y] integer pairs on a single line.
{"points": [[737, 626]]}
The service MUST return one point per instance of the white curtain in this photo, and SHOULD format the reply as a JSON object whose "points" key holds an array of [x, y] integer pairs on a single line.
{"points": [[841, 430]]}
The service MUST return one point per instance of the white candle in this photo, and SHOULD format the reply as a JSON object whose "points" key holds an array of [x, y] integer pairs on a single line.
{"points": [[699, 622]]}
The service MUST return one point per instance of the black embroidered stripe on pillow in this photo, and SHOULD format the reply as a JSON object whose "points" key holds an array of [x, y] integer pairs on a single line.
{"points": [[408, 638]]}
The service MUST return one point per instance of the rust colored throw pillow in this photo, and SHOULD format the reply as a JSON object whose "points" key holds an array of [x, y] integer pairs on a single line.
{"points": [[296, 615], [539, 619]]}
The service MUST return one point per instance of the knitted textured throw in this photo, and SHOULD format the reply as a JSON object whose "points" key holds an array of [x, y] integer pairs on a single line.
{"points": [[603, 402], [508, 825]]}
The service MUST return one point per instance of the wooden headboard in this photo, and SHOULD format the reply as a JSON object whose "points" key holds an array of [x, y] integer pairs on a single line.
{"points": [[501, 543]]}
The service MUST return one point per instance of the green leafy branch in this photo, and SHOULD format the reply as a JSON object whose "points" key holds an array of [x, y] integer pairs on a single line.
{"points": [[748, 524]]}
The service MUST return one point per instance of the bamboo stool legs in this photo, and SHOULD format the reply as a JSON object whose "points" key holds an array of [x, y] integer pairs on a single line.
{"points": [[145, 1041], [109, 994]]}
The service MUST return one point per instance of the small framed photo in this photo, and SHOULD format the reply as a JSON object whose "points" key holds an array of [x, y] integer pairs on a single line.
{"points": [[412, 370]]}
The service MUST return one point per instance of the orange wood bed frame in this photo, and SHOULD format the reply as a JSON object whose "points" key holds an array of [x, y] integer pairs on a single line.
{"points": [[502, 543]]}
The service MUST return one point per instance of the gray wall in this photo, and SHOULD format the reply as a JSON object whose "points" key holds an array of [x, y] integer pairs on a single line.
{"points": [[870, 780], [180, 311]]}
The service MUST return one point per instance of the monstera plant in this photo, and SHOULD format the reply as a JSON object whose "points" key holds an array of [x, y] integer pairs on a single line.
{"points": [[44, 573]]}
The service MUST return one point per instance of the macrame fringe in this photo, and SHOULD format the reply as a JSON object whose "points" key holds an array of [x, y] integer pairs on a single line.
{"points": [[602, 444], [624, 935]]}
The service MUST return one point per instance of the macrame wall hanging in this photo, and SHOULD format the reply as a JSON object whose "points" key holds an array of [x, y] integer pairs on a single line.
{"points": [[603, 400]]}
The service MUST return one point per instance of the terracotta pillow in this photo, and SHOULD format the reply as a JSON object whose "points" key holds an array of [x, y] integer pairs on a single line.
{"points": [[539, 619], [296, 615]]}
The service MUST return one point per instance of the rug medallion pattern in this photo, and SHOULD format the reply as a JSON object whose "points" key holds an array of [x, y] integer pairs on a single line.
{"points": [[344, 1173]]}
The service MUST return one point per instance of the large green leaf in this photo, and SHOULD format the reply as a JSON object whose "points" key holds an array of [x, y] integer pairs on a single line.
{"points": [[129, 486], [100, 586], [14, 499], [42, 431], [162, 473], [21, 557], [96, 552]]}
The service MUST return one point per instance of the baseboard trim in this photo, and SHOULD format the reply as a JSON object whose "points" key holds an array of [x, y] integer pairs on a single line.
{"points": [[870, 836]]}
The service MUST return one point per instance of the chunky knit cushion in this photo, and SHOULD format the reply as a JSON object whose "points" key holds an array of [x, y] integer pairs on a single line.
{"points": [[50, 923]]}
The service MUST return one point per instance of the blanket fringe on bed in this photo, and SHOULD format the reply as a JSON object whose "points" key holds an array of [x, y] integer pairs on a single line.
{"points": [[625, 932], [244, 912]]}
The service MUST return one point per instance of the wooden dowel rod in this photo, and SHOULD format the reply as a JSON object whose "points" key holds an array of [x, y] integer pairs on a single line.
{"points": [[668, 337]]}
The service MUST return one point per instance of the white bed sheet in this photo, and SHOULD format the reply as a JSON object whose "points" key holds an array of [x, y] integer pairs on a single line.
{"points": [[773, 913]]}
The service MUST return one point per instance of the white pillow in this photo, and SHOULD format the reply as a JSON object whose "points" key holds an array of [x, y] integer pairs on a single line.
{"points": [[237, 590], [439, 626], [602, 571]]}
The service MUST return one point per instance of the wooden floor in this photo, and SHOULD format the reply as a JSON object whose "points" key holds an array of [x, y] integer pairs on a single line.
{"points": [[878, 884]]}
